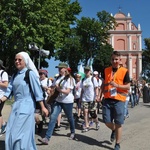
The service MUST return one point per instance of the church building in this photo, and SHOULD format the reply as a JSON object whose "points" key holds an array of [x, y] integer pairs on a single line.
{"points": [[126, 39]]}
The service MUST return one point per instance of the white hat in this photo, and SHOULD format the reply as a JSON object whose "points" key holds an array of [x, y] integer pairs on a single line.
{"points": [[95, 72], [56, 75]]}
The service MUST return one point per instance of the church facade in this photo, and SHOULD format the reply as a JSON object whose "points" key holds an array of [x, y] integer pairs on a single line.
{"points": [[127, 39]]}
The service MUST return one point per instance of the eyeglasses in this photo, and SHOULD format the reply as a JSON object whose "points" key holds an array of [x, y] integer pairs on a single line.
{"points": [[18, 60]]}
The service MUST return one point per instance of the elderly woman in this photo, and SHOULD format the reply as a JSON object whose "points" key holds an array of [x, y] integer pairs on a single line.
{"points": [[20, 129]]}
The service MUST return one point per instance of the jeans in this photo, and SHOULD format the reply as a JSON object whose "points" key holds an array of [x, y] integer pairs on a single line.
{"points": [[126, 108], [56, 109], [133, 100]]}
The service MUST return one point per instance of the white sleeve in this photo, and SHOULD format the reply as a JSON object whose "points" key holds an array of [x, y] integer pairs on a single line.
{"points": [[95, 82], [5, 76]]}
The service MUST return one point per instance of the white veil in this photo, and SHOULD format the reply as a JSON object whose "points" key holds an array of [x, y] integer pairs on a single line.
{"points": [[29, 63]]}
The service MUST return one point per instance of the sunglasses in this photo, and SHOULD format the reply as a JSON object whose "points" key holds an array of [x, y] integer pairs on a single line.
{"points": [[41, 73], [19, 60]]}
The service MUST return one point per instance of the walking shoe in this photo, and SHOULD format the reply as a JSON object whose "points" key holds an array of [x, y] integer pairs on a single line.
{"points": [[57, 128], [97, 125], [117, 146], [72, 136], [112, 137], [44, 141], [3, 128], [91, 123], [85, 130], [83, 125]]}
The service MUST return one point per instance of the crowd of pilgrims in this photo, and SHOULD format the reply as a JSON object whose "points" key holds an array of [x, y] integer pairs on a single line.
{"points": [[75, 112]]}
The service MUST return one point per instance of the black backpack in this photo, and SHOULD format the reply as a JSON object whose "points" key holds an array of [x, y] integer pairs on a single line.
{"points": [[2, 73], [27, 79]]}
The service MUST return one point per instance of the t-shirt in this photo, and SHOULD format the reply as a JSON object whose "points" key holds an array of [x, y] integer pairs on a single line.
{"points": [[65, 84], [2, 79], [44, 84], [77, 90], [88, 89]]}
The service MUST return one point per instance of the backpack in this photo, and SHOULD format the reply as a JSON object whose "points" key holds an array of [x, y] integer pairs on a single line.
{"points": [[27, 79], [92, 79], [2, 74]]}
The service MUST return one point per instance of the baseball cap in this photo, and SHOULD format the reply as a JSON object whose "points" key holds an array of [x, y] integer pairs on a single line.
{"points": [[95, 72], [87, 68], [62, 65]]}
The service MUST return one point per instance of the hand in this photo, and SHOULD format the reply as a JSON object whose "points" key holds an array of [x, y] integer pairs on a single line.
{"points": [[114, 84], [45, 111], [97, 98]]}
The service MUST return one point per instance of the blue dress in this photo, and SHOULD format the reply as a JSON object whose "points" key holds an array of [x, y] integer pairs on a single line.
{"points": [[20, 129]]}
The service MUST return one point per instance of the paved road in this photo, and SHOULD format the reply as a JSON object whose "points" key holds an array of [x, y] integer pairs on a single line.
{"points": [[136, 134]]}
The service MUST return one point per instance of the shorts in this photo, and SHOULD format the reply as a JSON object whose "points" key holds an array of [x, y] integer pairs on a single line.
{"points": [[113, 110], [77, 101], [91, 106]]}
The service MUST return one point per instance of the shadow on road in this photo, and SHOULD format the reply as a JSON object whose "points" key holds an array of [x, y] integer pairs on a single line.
{"points": [[91, 141], [2, 145]]}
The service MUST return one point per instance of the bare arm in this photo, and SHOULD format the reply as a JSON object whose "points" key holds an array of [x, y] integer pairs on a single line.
{"points": [[125, 86], [4, 84]]}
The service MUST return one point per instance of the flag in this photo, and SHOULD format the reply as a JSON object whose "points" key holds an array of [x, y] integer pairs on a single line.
{"points": [[90, 62], [81, 71]]}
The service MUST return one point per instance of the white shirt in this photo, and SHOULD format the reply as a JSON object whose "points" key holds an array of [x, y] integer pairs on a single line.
{"points": [[65, 84], [46, 83], [88, 89], [77, 90], [4, 78]]}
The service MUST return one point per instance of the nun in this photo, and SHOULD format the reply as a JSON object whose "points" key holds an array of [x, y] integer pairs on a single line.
{"points": [[20, 130]]}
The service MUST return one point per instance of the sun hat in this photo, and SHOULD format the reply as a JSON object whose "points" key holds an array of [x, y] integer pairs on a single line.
{"points": [[62, 65], [87, 68], [1, 64]]}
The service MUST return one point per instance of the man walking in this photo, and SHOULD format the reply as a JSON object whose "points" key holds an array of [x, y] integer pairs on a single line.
{"points": [[115, 89]]}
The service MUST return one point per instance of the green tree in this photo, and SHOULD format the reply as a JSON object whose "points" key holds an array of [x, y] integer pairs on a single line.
{"points": [[146, 60], [92, 38], [45, 22]]}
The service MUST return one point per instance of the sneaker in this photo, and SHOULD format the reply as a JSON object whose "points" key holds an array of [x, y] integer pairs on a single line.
{"points": [[112, 137], [72, 136], [97, 125], [3, 128], [57, 128], [117, 147], [85, 130], [83, 125], [44, 141], [91, 123]]}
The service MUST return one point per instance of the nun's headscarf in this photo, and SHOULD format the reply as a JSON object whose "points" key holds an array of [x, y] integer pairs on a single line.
{"points": [[29, 63]]}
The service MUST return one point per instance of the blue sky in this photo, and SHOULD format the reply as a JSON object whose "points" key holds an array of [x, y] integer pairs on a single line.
{"points": [[139, 11]]}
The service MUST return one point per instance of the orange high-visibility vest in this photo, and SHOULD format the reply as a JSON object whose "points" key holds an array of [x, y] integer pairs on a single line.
{"points": [[118, 78]]}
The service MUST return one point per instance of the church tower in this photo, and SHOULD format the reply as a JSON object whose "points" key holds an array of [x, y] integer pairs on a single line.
{"points": [[126, 39]]}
